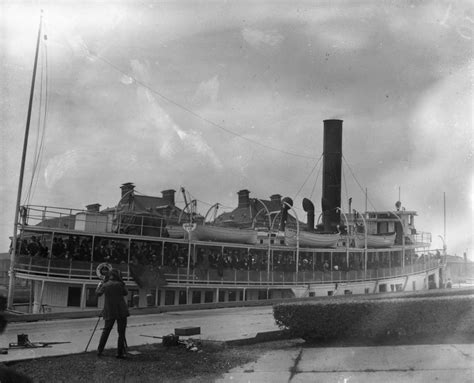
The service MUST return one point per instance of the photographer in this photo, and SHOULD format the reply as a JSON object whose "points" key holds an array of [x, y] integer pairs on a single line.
{"points": [[115, 309]]}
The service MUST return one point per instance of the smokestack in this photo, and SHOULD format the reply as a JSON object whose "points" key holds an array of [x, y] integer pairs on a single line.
{"points": [[244, 199], [168, 196], [126, 188], [284, 212], [332, 162], [308, 207], [275, 201]]}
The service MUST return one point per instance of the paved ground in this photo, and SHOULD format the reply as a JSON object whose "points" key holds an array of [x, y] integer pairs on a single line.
{"points": [[391, 364], [296, 363], [218, 325]]}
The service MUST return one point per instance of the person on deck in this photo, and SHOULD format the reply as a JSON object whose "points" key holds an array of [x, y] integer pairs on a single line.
{"points": [[115, 309]]}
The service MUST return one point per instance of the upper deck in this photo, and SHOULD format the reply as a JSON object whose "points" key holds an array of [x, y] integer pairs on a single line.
{"points": [[123, 225]]}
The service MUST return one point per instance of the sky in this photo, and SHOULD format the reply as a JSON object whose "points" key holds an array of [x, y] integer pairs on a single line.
{"points": [[220, 96]]}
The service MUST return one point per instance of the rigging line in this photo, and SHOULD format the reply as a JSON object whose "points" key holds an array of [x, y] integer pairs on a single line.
{"points": [[307, 178], [38, 127], [198, 116], [45, 112], [38, 130], [357, 181], [345, 187], [210, 204], [316, 180]]}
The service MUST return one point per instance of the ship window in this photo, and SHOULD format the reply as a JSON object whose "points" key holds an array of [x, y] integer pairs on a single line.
{"points": [[347, 292], [382, 288], [382, 227], [151, 298], [366, 290], [262, 294], [169, 297], [221, 296], [414, 285], [232, 296], [91, 297], [74, 296], [398, 287], [130, 298], [312, 294], [182, 297], [208, 297], [329, 293], [196, 297]]}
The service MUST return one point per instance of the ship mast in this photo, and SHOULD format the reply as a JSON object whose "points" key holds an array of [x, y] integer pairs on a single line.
{"points": [[11, 281]]}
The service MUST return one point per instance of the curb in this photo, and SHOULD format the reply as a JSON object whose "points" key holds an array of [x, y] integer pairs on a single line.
{"points": [[261, 337]]}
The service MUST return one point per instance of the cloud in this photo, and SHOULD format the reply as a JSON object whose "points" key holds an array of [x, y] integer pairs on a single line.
{"points": [[258, 38], [80, 163], [158, 127], [59, 165]]}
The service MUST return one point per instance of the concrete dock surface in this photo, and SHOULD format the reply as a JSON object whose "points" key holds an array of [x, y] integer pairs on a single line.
{"points": [[391, 364], [295, 362], [217, 325]]}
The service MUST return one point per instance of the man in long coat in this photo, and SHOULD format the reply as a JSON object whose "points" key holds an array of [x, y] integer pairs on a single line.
{"points": [[115, 309]]}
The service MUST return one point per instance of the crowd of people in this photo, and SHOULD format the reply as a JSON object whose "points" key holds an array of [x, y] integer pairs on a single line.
{"points": [[173, 255]]}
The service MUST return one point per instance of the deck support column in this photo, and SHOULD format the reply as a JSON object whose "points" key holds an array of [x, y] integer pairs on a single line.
{"points": [[83, 296], [38, 297]]}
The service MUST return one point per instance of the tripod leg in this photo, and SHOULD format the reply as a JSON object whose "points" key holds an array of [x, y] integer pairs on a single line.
{"points": [[98, 320]]}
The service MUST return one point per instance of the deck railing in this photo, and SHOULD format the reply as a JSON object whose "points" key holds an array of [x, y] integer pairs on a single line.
{"points": [[57, 218], [84, 272], [421, 238]]}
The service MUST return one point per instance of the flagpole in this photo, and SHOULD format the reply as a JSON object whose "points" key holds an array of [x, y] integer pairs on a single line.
{"points": [[11, 281]]}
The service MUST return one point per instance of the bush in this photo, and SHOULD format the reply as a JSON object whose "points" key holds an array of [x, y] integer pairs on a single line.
{"points": [[377, 318]]}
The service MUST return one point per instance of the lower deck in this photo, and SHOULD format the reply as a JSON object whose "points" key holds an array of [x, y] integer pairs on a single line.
{"points": [[50, 290]]}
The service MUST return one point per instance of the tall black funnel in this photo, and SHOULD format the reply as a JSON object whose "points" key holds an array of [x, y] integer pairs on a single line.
{"points": [[332, 162]]}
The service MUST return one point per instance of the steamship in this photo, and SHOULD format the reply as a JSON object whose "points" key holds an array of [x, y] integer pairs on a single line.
{"points": [[260, 250]]}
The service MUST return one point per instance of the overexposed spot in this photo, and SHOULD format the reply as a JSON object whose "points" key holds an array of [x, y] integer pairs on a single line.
{"points": [[59, 165], [126, 80], [207, 90], [343, 38], [258, 38], [78, 45]]}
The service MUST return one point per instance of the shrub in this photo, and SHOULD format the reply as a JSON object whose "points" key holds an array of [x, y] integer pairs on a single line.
{"points": [[364, 318]]}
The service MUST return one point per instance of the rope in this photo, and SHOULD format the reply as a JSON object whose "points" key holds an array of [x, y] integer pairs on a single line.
{"points": [[307, 178], [355, 178], [345, 186], [316, 180], [41, 125]]}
